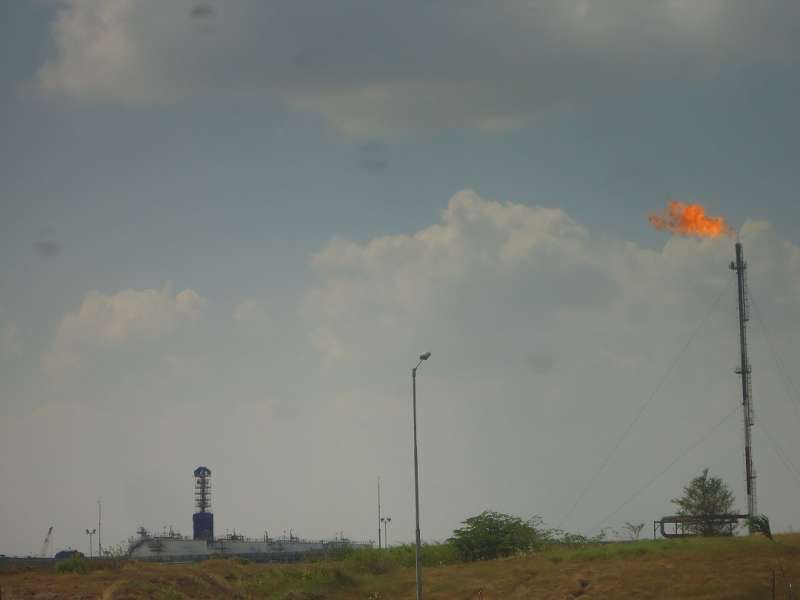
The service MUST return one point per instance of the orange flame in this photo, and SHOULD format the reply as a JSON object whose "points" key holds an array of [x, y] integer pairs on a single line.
{"points": [[682, 218]]}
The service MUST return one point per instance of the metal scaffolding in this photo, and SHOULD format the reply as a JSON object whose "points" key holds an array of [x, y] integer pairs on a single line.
{"points": [[744, 370]]}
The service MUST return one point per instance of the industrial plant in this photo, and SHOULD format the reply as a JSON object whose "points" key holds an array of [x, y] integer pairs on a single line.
{"points": [[170, 546]]}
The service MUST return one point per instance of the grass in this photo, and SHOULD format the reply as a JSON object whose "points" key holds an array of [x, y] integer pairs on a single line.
{"points": [[693, 568], [378, 562]]}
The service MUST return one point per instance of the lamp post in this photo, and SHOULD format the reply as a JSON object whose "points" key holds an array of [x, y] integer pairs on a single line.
{"points": [[386, 521], [99, 529], [422, 357], [90, 534]]}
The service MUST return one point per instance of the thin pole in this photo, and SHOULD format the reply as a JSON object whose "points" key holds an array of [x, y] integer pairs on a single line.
{"points": [[416, 482], [379, 513], [99, 529]]}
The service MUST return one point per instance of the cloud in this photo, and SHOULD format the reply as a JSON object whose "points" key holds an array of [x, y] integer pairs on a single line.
{"points": [[391, 281], [105, 321], [374, 68], [511, 264]]}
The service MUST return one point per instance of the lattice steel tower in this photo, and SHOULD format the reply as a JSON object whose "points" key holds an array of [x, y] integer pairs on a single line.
{"points": [[744, 369], [203, 519]]}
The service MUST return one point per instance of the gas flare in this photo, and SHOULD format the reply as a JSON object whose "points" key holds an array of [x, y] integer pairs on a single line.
{"points": [[682, 218]]}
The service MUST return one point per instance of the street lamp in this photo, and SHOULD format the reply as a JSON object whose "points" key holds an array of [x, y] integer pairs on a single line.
{"points": [[90, 534], [99, 528], [422, 357], [386, 521]]}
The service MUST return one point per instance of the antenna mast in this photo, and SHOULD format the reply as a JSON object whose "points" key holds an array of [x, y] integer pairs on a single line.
{"points": [[744, 369]]}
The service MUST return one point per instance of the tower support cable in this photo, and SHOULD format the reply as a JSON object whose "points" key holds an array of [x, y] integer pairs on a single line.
{"points": [[663, 471], [640, 411]]}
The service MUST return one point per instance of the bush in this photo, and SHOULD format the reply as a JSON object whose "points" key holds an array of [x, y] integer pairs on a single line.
{"points": [[372, 561], [76, 564], [493, 535]]}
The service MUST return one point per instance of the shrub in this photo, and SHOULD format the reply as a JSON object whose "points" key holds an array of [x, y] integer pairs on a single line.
{"points": [[372, 561], [493, 535], [76, 564]]}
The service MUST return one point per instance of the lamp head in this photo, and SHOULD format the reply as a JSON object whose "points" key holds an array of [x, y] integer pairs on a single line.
{"points": [[425, 356]]}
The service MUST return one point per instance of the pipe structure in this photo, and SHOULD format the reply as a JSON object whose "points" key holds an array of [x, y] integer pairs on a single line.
{"points": [[684, 520]]}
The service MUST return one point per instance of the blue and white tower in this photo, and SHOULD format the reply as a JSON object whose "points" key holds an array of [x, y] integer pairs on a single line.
{"points": [[203, 518]]}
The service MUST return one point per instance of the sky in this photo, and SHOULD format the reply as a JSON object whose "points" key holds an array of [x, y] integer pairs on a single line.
{"points": [[227, 230]]}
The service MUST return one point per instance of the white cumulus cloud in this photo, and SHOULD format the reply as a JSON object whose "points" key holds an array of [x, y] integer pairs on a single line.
{"points": [[109, 320], [512, 264]]}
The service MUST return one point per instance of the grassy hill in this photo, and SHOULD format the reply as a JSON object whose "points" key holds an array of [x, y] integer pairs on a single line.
{"points": [[699, 568]]}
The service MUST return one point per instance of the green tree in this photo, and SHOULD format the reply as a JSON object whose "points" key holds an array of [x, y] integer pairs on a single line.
{"points": [[703, 498], [492, 535]]}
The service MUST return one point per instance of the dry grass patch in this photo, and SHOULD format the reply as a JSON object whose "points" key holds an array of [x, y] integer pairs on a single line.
{"points": [[738, 568]]}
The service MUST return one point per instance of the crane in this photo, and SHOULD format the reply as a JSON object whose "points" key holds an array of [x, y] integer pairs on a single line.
{"points": [[46, 545]]}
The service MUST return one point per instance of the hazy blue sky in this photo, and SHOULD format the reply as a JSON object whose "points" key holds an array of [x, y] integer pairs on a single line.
{"points": [[228, 228]]}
